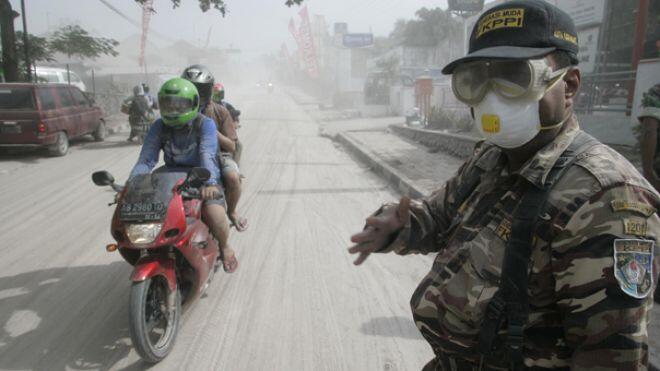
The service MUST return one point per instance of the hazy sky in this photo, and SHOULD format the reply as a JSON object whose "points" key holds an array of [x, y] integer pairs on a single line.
{"points": [[251, 25]]}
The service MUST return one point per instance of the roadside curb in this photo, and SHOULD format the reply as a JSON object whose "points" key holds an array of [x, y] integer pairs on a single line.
{"points": [[399, 181], [454, 144]]}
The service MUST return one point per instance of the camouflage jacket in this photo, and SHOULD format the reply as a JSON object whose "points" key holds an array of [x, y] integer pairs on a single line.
{"points": [[592, 263]]}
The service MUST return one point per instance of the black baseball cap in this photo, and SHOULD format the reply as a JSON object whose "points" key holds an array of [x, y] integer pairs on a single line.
{"points": [[520, 29]]}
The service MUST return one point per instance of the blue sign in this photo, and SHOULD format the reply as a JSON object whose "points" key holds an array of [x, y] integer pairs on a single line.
{"points": [[341, 27], [358, 40]]}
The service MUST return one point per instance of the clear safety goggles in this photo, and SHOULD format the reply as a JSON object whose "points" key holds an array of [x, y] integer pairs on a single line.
{"points": [[171, 105], [512, 79]]}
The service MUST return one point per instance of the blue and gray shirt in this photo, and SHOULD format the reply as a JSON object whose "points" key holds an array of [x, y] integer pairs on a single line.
{"points": [[183, 148]]}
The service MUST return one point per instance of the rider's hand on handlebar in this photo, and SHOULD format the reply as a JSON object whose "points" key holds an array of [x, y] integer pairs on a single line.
{"points": [[379, 230], [210, 192]]}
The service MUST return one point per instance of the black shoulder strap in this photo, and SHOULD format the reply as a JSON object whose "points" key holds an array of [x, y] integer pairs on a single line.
{"points": [[197, 125], [511, 300]]}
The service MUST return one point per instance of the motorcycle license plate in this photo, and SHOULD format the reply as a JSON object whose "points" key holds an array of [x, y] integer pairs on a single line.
{"points": [[147, 211]]}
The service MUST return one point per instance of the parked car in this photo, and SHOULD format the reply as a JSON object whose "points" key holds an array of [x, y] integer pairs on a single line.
{"points": [[59, 76], [47, 115]]}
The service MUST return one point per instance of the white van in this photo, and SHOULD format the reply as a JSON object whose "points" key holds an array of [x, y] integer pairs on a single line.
{"points": [[59, 76]]}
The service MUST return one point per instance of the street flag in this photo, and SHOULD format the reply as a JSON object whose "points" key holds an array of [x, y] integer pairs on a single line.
{"points": [[306, 44], [146, 16]]}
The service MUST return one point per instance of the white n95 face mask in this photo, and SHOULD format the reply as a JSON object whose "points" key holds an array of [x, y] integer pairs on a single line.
{"points": [[508, 123], [512, 123]]}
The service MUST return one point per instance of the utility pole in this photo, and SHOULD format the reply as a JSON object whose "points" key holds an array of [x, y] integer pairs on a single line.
{"points": [[9, 58], [640, 31], [28, 70]]}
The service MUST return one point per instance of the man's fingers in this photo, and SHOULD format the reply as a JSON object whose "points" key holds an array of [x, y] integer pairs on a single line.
{"points": [[404, 208], [361, 247], [360, 259], [366, 234], [375, 222]]}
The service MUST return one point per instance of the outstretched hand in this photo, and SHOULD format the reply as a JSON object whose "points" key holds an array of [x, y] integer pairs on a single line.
{"points": [[379, 229]]}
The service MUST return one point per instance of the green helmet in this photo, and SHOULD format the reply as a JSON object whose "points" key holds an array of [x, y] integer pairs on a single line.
{"points": [[178, 100]]}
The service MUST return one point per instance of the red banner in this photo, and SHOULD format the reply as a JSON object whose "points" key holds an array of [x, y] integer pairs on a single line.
{"points": [[146, 16], [294, 33], [306, 44]]}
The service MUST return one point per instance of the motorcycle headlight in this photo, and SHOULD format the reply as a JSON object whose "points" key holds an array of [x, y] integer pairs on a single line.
{"points": [[143, 233]]}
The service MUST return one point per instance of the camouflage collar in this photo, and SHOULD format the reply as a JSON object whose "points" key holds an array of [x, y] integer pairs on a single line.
{"points": [[537, 168], [491, 157]]}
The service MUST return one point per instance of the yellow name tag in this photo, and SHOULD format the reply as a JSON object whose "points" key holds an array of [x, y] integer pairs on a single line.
{"points": [[566, 37], [504, 18], [490, 123], [638, 207], [635, 227], [504, 229]]}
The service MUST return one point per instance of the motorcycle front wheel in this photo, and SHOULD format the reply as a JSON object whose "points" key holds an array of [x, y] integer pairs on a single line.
{"points": [[153, 327]]}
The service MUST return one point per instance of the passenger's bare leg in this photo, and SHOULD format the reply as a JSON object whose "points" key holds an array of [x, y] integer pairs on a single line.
{"points": [[232, 182], [215, 217]]}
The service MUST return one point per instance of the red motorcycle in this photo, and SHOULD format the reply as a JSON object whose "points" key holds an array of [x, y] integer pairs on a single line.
{"points": [[158, 228]]}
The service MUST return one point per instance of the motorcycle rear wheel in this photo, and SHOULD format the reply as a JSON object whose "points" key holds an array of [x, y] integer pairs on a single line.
{"points": [[152, 327]]}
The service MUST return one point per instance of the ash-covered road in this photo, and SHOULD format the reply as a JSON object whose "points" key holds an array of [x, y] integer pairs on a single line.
{"points": [[296, 302]]}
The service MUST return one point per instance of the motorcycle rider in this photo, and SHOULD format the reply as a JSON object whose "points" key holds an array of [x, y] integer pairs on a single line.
{"points": [[203, 80], [188, 139], [137, 107]]}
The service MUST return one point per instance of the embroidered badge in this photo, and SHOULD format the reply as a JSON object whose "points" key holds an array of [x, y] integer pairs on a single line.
{"points": [[635, 227], [633, 266], [503, 18], [638, 207]]}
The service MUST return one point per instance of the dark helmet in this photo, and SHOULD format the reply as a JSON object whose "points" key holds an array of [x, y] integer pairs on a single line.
{"points": [[145, 87], [202, 78]]}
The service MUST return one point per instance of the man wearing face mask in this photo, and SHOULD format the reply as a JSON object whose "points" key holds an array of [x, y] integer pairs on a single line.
{"points": [[545, 239]]}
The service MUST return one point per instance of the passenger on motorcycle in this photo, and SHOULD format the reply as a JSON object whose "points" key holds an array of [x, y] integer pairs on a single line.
{"points": [[203, 79], [188, 139], [218, 96], [153, 102]]}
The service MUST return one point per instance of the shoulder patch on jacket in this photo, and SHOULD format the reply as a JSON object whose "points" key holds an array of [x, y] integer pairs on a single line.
{"points": [[633, 266]]}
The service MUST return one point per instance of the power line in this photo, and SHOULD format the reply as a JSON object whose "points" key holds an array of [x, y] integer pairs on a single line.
{"points": [[133, 21], [121, 14]]}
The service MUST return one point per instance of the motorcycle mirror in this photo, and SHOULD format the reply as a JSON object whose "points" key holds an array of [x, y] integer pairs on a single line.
{"points": [[102, 178], [199, 175]]}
